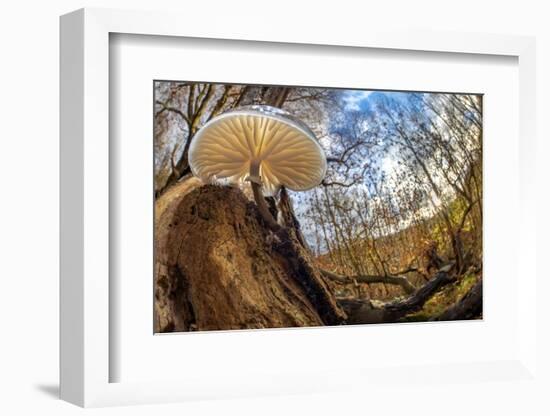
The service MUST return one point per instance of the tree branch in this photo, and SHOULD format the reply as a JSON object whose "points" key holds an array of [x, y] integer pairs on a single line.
{"points": [[365, 278], [337, 183], [221, 102], [166, 107], [465, 215]]}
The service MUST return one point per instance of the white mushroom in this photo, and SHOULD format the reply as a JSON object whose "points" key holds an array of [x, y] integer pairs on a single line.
{"points": [[261, 144]]}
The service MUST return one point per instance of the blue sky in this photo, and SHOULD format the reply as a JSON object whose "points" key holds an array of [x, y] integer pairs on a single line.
{"points": [[355, 99], [383, 157], [362, 100]]}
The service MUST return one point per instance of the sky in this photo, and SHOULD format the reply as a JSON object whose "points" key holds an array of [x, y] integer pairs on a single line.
{"points": [[365, 102], [391, 172], [356, 99], [361, 101]]}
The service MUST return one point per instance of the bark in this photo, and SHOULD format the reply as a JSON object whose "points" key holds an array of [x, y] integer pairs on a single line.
{"points": [[301, 267], [276, 96], [219, 267]]}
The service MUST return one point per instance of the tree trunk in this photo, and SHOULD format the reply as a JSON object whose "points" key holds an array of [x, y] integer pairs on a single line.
{"points": [[218, 267]]}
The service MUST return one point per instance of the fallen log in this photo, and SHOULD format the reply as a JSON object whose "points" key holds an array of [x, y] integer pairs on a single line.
{"points": [[469, 307], [402, 281], [365, 311]]}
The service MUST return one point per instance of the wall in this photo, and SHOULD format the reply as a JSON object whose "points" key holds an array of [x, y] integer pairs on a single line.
{"points": [[29, 209]]}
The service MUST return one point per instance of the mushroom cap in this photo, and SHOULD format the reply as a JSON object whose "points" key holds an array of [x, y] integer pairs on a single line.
{"points": [[247, 141]]}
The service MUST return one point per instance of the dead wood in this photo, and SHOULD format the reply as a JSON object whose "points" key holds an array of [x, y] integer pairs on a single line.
{"points": [[402, 281], [219, 267], [469, 307], [365, 311]]}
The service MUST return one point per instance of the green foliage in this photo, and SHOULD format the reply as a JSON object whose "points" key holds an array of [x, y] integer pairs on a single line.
{"points": [[439, 233], [456, 210], [439, 236]]}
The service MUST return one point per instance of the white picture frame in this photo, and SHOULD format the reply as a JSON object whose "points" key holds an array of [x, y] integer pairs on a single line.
{"points": [[85, 355]]}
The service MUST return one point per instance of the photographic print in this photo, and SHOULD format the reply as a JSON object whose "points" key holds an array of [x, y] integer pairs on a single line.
{"points": [[291, 206]]}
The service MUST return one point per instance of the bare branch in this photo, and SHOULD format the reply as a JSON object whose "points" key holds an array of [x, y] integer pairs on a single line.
{"points": [[364, 278], [166, 107]]}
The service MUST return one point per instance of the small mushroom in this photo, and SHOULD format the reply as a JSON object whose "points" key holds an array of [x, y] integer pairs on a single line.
{"points": [[263, 145]]}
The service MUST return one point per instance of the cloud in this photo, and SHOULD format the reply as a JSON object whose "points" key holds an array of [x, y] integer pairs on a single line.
{"points": [[353, 99]]}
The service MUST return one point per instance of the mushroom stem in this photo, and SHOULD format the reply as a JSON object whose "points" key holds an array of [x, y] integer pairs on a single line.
{"points": [[255, 183], [263, 208]]}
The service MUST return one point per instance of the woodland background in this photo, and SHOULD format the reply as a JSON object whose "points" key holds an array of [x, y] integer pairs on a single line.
{"points": [[393, 233]]}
